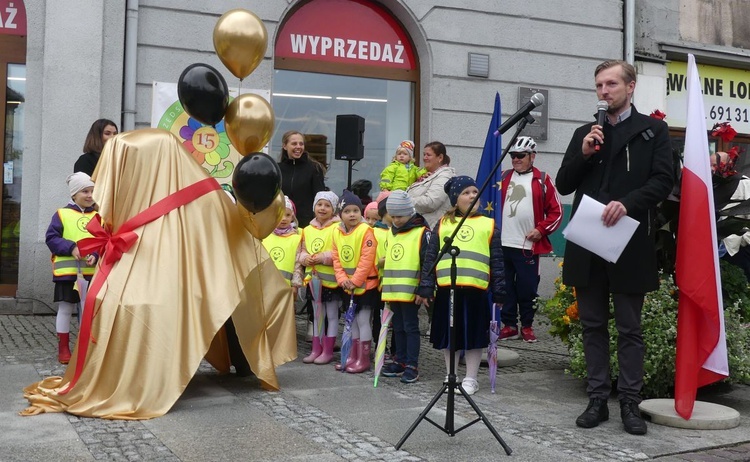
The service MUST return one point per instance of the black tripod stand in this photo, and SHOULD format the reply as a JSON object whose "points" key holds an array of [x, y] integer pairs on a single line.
{"points": [[451, 384]]}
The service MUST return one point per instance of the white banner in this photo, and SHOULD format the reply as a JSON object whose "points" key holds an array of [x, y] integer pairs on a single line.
{"points": [[209, 145]]}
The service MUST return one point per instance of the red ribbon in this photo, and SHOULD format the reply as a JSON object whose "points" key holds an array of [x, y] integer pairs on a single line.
{"points": [[111, 247]]}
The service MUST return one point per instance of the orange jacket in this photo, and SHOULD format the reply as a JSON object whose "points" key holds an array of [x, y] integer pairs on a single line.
{"points": [[367, 271]]}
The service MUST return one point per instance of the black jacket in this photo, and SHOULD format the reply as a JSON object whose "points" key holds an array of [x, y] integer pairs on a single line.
{"points": [[634, 167], [86, 163], [301, 179]]}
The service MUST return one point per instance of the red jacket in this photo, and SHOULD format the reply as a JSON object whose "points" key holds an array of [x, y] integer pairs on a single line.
{"points": [[547, 207]]}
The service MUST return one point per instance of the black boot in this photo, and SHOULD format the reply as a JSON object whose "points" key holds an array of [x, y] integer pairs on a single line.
{"points": [[631, 417], [596, 412]]}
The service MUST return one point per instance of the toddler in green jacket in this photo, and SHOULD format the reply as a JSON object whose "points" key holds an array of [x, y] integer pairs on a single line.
{"points": [[402, 171]]}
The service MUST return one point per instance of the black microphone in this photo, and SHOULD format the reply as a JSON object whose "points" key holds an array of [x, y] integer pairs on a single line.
{"points": [[536, 100], [601, 114]]}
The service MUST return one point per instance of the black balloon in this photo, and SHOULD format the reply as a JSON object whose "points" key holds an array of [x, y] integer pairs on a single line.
{"points": [[256, 181], [203, 93]]}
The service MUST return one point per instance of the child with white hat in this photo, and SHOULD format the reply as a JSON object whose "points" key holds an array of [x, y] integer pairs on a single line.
{"points": [[67, 227]]}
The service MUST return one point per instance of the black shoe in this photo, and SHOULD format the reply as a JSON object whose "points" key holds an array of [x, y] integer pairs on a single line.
{"points": [[631, 417], [596, 412]]}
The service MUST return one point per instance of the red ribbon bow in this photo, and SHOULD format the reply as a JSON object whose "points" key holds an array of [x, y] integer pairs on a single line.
{"points": [[111, 247], [104, 243]]}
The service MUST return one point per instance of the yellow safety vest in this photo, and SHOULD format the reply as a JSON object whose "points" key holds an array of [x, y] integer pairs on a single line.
{"points": [[473, 262], [381, 235], [349, 247], [74, 229], [402, 265], [316, 241], [283, 250]]}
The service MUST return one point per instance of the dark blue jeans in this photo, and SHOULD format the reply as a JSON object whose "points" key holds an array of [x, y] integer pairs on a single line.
{"points": [[521, 284], [406, 328]]}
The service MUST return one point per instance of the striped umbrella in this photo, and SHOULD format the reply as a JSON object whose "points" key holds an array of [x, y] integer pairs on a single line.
{"points": [[385, 320], [82, 286], [316, 289]]}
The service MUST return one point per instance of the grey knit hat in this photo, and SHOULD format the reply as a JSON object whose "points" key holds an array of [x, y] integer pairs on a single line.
{"points": [[79, 181], [399, 204]]}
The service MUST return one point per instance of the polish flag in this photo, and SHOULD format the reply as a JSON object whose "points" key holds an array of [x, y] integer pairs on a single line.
{"points": [[701, 344]]}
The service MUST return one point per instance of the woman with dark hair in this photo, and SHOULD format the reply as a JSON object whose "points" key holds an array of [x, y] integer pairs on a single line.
{"points": [[99, 133], [430, 200], [301, 176]]}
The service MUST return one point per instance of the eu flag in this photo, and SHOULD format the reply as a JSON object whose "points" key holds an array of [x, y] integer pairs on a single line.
{"points": [[490, 155], [491, 196]]}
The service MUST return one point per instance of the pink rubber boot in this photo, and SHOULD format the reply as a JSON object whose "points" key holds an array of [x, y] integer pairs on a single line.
{"points": [[363, 363], [327, 354], [353, 355], [316, 350]]}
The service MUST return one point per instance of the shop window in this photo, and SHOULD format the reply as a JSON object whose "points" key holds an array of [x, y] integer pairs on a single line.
{"points": [[309, 103], [717, 145], [328, 65]]}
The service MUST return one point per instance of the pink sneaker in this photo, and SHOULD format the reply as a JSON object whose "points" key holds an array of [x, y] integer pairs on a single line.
{"points": [[508, 333], [527, 333]]}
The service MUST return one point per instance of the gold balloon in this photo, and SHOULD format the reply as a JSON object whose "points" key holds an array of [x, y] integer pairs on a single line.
{"points": [[249, 122], [240, 40], [263, 223]]}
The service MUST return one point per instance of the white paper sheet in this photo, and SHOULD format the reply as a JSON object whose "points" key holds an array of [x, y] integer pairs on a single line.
{"points": [[587, 229]]}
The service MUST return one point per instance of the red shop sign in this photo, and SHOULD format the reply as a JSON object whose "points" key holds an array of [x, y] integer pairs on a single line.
{"points": [[345, 31], [12, 17]]}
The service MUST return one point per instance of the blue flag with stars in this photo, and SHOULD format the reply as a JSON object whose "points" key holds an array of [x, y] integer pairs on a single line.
{"points": [[491, 153]]}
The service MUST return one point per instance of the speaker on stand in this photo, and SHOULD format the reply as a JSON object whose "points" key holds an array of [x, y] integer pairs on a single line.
{"points": [[350, 133]]}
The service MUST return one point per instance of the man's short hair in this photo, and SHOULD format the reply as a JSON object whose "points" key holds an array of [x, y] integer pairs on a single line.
{"points": [[628, 71]]}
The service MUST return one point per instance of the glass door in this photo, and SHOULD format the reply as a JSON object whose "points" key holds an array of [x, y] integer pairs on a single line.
{"points": [[13, 95], [10, 218]]}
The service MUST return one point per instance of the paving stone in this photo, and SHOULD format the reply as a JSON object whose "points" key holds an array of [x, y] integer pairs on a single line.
{"points": [[31, 340]]}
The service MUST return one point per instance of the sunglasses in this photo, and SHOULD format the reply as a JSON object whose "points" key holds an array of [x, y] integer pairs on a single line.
{"points": [[518, 155]]}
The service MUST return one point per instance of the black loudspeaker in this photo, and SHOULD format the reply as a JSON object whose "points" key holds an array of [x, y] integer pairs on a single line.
{"points": [[350, 133]]}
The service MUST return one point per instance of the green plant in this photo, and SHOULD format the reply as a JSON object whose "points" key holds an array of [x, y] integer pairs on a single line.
{"points": [[735, 289], [659, 327]]}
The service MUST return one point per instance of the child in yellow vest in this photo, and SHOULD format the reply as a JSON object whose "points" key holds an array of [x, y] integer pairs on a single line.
{"points": [[479, 267], [67, 227], [354, 249], [315, 255], [283, 246], [407, 247]]}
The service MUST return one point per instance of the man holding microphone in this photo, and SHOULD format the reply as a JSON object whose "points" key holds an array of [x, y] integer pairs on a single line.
{"points": [[626, 164]]}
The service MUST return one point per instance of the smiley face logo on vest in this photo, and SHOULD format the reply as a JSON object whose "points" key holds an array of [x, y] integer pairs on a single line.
{"points": [[82, 223], [317, 245], [347, 253], [397, 252], [277, 254], [465, 233]]}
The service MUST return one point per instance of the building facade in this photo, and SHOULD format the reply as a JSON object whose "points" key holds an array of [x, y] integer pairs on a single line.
{"points": [[413, 69]]}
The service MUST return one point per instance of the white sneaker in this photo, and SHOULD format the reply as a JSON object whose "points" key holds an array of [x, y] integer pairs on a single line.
{"points": [[470, 385]]}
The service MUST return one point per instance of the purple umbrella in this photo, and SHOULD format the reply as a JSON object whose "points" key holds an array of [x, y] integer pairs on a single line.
{"points": [[346, 337], [492, 349]]}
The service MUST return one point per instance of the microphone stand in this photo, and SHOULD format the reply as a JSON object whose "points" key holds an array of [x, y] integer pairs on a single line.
{"points": [[451, 384]]}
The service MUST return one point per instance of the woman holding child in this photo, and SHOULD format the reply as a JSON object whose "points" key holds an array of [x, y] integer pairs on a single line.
{"points": [[430, 200]]}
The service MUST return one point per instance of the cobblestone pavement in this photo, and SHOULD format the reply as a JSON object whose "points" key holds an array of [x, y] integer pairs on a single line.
{"points": [[31, 340]]}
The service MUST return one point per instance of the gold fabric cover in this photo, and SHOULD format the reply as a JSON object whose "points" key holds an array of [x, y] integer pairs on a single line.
{"points": [[168, 297]]}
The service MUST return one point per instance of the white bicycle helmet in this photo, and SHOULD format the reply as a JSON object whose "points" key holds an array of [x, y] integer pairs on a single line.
{"points": [[524, 144]]}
